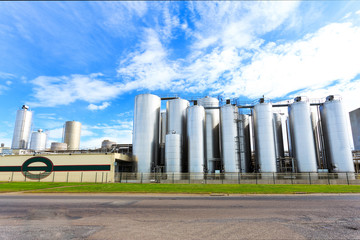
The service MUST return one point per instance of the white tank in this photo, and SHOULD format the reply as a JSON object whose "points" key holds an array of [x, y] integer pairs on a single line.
{"points": [[229, 138], [212, 126], [244, 142], [107, 144], [337, 141], [196, 138], [72, 135], [303, 143], [38, 140], [22, 128], [146, 131], [173, 153], [58, 146], [264, 137]]}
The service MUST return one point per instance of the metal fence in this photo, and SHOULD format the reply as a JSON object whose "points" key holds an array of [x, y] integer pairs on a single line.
{"points": [[240, 178]]}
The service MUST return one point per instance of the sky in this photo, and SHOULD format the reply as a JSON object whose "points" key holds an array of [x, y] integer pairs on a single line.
{"points": [[86, 61]]}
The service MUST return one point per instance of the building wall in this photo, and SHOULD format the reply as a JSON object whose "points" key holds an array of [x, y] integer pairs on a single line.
{"points": [[355, 127], [58, 168]]}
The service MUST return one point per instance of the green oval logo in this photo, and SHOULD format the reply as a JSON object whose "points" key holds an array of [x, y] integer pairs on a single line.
{"points": [[45, 171]]}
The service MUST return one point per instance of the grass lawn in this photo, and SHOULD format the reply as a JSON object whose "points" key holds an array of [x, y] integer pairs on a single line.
{"points": [[42, 187]]}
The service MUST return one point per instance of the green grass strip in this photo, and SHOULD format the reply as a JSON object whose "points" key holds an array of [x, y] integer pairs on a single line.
{"points": [[39, 187]]}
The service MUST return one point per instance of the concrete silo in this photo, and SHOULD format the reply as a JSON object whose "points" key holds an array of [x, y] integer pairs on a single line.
{"points": [[72, 135]]}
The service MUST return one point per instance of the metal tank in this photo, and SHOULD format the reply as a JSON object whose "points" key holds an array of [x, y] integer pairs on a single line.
{"points": [[38, 140], [176, 122], [58, 146], [195, 120], [173, 153], [22, 128], [302, 137], [336, 134], [72, 135], [212, 125], [244, 143], [107, 144], [229, 138], [278, 136], [162, 137], [264, 137], [146, 131]]}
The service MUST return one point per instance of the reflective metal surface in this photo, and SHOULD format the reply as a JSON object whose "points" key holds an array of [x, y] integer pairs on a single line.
{"points": [[22, 129], [72, 135], [212, 121], [146, 131], [303, 144], [57, 146], [163, 128], [196, 138], [244, 142], [337, 141], [264, 137], [38, 140], [229, 138], [278, 135], [106, 144], [173, 153]]}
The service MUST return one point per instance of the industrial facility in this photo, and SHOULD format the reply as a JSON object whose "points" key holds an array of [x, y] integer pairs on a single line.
{"points": [[206, 136], [202, 138]]}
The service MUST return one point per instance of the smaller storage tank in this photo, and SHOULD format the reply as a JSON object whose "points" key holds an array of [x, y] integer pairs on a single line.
{"points": [[196, 138], [106, 144], [173, 154], [38, 140], [279, 142], [244, 143], [72, 135], [58, 146]]}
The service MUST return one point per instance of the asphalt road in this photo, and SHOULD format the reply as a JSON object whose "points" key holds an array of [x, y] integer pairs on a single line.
{"points": [[179, 217]]}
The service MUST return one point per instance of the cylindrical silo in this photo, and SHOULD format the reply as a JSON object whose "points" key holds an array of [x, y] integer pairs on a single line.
{"points": [[38, 140], [264, 137], [146, 131], [173, 153], [229, 138], [336, 134], [244, 143], [196, 138], [279, 142], [303, 144], [58, 146], [212, 121], [107, 144], [162, 137], [176, 123], [22, 128], [72, 135]]}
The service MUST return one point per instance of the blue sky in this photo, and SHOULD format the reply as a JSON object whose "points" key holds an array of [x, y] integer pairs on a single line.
{"points": [[86, 61]]}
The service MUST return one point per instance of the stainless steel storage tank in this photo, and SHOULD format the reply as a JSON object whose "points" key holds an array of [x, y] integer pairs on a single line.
{"points": [[162, 138], [72, 135], [146, 131], [173, 154], [176, 122], [229, 138], [264, 137], [107, 144], [244, 143], [212, 121], [336, 133], [58, 146], [195, 120], [302, 137], [22, 128], [278, 135], [38, 140]]}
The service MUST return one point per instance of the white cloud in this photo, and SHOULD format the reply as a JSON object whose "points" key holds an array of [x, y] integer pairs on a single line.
{"points": [[94, 107]]}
